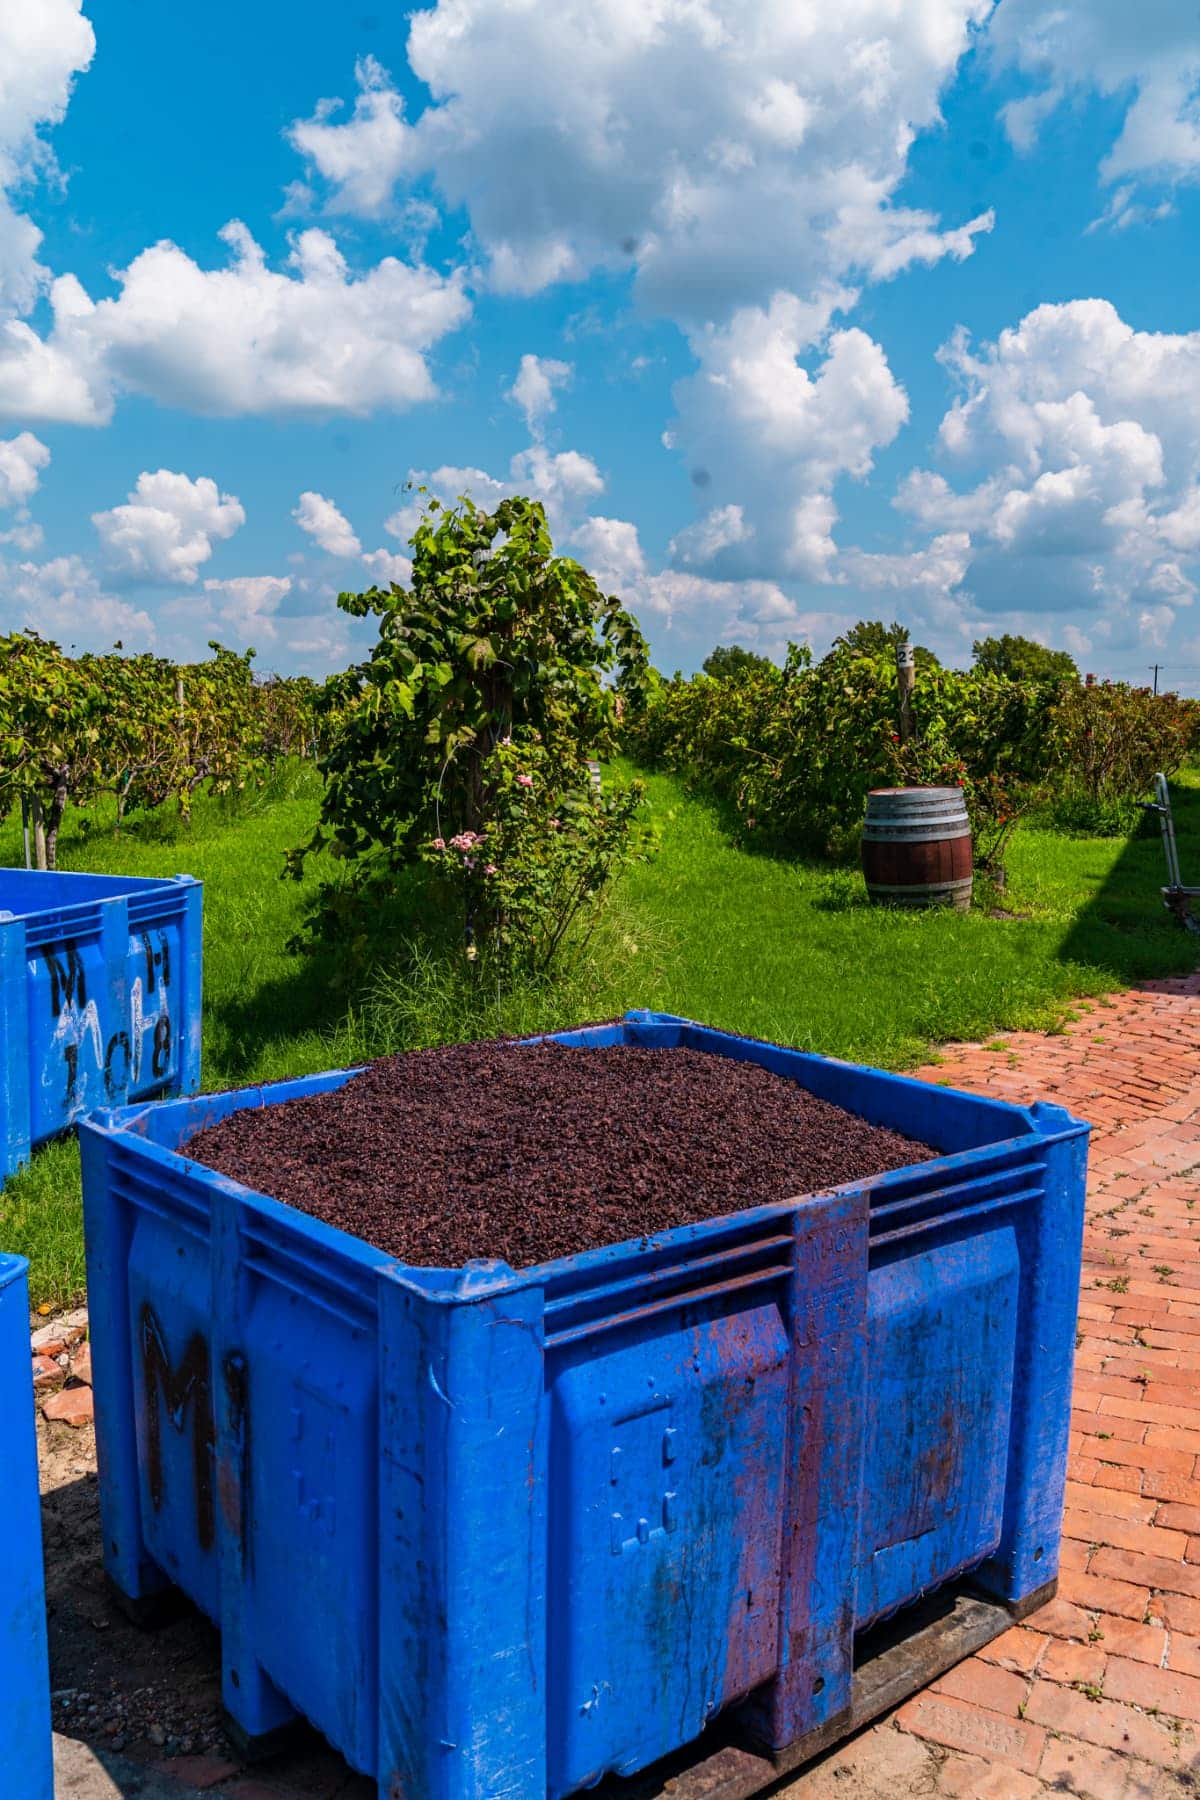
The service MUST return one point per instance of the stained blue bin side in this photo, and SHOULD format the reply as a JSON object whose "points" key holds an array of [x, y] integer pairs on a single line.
{"points": [[973, 1286], [25, 1743], [499, 1533], [1028, 1552], [100, 998]]}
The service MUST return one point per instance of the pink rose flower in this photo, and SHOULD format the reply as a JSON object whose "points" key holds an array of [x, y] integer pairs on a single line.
{"points": [[439, 844], [524, 780]]}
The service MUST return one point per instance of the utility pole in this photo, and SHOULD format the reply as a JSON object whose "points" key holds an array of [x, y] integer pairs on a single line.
{"points": [[1156, 667]]}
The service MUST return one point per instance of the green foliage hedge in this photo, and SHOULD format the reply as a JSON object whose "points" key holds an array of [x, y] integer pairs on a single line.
{"points": [[795, 751]]}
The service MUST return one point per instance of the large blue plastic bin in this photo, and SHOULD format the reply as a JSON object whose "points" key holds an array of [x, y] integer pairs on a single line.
{"points": [[100, 986], [496, 1533], [25, 1755]]}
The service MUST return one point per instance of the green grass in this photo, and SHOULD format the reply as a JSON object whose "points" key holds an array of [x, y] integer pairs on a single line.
{"points": [[263, 1018], [794, 952], [790, 951]]}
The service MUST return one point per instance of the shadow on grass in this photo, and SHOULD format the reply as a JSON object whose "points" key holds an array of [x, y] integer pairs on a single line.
{"points": [[313, 996], [1125, 926], [773, 846], [330, 972]]}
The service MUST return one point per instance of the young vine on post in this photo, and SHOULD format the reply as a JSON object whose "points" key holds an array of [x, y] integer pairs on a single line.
{"points": [[462, 742]]}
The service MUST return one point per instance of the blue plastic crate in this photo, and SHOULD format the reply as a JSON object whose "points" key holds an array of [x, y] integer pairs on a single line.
{"points": [[100, 989], [498, 1533], [25, 1754]]}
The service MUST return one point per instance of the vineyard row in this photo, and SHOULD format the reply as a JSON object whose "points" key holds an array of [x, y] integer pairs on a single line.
{"points": [[138, 728]]}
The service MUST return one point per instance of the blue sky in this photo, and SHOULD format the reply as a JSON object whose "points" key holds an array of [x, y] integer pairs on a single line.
{"points": [[789, 318]]}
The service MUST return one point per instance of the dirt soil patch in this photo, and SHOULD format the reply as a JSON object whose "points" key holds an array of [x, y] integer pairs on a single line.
{"points": [[526, 1153], [113, 1684], [154, 1696]]}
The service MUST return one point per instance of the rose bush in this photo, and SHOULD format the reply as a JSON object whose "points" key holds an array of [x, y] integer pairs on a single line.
{"points": [[462, 744], [544, 858]]}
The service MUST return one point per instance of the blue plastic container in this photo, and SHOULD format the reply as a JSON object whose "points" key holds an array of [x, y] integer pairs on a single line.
{"points": [[100, 985], [25, 1753], [496, 1533]]}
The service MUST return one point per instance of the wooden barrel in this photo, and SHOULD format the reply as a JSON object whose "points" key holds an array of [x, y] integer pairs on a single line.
{"points": [[916, 847]]}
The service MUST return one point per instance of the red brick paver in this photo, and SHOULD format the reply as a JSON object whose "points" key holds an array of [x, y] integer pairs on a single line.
{"points": [[73, 1406], [1098, 1694]]}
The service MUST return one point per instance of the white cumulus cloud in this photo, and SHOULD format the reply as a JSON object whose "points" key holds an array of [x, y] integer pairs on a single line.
{"points": [[314, 337], [44, 44], [311, 336], [692, 613], [565, 481], [248, 603], [291, 620], [1069, 485], [538, 380], [716, 531], [362, 156], [64, 600], [1146, 57], [326, 525], [166, 529], [332, 531], [22, 460], [387, 566], [721, 148], [59, 377], [768, 439]]}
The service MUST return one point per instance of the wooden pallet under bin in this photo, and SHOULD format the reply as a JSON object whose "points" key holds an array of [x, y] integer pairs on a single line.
{"points": [[895, 1660]]}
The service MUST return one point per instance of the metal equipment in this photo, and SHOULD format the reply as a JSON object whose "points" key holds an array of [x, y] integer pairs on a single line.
{"points": [[1176, 897]]}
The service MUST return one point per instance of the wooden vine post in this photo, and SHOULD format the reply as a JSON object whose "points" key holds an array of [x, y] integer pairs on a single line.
{"points": [[906, 674], [39, 832]]}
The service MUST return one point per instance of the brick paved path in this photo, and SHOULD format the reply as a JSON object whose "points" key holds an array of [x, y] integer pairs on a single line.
{"points": [[1099, 1693]]}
